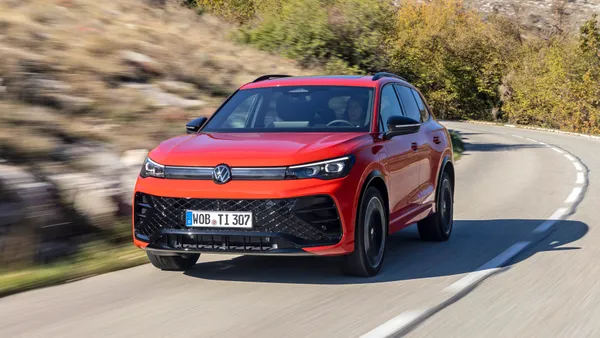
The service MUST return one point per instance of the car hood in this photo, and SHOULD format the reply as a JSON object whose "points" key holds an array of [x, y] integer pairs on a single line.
{"points": [[255, 149]]}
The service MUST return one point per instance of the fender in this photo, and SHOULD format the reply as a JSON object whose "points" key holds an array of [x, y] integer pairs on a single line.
{"points": [[367, 181], [445, 161]]}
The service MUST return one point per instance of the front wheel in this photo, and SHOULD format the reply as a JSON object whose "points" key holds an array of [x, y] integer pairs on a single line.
{"points": [[173, 263], [370, 237], [438, 226]]}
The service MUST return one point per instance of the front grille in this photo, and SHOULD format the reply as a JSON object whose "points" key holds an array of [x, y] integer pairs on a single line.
{"points": [[311, 219]]}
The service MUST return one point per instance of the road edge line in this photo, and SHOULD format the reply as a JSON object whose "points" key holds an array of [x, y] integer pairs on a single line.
{"points": [[407, 321]]}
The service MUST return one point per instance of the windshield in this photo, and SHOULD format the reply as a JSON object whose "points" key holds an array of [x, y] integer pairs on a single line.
{"points": [[296, 109]]}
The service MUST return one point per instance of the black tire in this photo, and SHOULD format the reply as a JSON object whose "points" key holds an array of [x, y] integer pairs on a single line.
{"points": [[370, 237], [438, 226], [173, 263]]}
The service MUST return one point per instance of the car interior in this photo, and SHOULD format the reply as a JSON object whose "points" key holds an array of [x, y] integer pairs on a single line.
{"points": [[303, 108]]}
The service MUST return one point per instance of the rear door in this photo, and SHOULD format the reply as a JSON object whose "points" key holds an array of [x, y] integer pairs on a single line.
{"points": [[413, 105], [437, 140], [400, 164]]}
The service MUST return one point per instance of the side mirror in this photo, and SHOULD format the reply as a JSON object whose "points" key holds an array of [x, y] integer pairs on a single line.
{"points": [[401, 125], [194, 125]]}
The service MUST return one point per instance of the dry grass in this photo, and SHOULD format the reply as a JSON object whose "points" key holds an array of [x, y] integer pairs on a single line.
{"points": [[96, 259], [80, 43]]}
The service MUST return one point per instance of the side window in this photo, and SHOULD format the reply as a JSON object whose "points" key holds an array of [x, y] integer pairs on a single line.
{"points": [[389, 106], [238, 117], [408, 101], [421, 105], [271, 109]]}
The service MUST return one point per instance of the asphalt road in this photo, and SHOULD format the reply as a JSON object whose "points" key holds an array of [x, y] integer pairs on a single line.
{"points": [[507, 187]]}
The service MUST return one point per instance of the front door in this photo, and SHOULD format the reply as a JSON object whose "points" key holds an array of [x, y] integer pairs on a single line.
{"points": [[401, 164], [411, 104]]}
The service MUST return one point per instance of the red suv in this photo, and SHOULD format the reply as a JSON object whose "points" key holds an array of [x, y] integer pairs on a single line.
{"points": [[324, 165]]}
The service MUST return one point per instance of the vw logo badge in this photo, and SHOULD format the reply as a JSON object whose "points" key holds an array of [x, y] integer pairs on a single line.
{"points": [[221, 174]]}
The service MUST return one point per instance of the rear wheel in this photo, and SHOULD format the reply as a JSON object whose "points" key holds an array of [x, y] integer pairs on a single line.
{"points": [[370, 237], [438, 226], [173, 263]]}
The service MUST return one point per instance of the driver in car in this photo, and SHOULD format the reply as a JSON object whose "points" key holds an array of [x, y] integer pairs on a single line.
{"points": [[356, 112]]}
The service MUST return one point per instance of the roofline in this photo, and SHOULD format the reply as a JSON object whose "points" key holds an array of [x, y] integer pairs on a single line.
{"points": [[282, 80], [381, 75], [374, 77]]}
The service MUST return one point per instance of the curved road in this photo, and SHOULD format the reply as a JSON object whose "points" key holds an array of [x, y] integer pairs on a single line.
{"points": [[510, 183]]}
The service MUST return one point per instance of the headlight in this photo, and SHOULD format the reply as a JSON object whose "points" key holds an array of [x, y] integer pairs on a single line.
{"points": [[152, 169], [324, 170]]}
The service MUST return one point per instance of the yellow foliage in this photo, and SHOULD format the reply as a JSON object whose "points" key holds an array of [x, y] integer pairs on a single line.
{"points": [[556, 86], [468, 67], [235, 10], [450, 53]]}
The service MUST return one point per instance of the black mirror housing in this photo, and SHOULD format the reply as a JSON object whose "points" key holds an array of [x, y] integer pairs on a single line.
{"points": [[401, 125], [194, 126]]}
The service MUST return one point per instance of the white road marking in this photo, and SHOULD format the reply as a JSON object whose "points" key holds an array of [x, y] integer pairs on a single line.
{"points": [[393, 325], [530, 139], [488, 268], [574, 195], [31, 185], [471, 279], [580, 178], [556, 216], [407, 320]]}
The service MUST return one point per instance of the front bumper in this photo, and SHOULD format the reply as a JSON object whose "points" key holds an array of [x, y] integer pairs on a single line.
{"points": [[279, 224], [313, 221]]}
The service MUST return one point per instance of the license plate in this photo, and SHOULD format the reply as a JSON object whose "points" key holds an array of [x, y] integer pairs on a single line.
{"points": [[218, 219]]}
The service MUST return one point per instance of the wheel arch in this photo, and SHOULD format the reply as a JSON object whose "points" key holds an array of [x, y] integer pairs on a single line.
{"points": [[446, 167], [376, 179]]}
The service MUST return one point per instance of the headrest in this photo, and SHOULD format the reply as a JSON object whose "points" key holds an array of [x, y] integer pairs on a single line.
{"points": [[290, 108]]}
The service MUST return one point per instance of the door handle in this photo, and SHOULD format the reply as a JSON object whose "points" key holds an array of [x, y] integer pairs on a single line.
{"points": [[414, 146], [436, 140]]}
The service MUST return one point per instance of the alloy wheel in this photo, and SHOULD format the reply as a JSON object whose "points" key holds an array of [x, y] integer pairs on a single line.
{"points": [[375, 231]]}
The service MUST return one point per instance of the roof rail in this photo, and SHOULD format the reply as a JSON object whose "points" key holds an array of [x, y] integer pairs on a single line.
{"points": [[269, 77], [384, 74]]}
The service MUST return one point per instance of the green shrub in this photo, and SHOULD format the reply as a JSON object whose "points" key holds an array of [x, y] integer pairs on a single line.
{"points": [[557, 84], [339, 66], [347, 35], [300, 31], [468, 67], [235, 10], [361, 31], [452, 55], [589, 37], [449, 52]]}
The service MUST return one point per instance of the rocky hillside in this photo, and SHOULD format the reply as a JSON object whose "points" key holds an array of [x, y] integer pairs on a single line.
{"points": [[541, 15], [86, 88]]}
